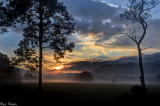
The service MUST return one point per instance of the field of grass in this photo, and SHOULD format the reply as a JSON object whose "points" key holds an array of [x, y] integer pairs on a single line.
{"points": [[72, 93]]}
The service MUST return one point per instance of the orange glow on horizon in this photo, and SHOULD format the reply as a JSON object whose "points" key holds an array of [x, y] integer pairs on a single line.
{"points": [[58, 68], [64, 72]]}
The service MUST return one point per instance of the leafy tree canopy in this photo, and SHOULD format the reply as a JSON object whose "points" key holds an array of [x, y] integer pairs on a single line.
{"points": [[46, 20]]}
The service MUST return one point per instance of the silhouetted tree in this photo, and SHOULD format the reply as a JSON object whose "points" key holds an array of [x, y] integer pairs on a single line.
{"points": [[138, 15], [8, 73], [139, 92], [84, 76], [49, 26], [4, 61]]}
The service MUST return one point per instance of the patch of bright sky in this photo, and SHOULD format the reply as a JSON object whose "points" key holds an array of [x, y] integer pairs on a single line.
{"points": [[115, 3], [106, 21], [9, 42]]}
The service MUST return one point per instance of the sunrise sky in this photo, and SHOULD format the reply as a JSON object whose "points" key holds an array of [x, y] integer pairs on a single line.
{"points": [[96, 36]]}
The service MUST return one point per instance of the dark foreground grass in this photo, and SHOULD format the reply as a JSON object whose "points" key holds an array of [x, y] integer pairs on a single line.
{"points": [[26, 94]]}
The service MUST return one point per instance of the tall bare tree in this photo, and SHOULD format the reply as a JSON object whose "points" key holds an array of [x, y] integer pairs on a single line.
{"points": [[48, 27], [138, 16]]}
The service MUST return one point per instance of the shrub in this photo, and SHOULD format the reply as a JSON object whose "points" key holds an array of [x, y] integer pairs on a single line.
{"points": [[139, 91], [84, 76]]}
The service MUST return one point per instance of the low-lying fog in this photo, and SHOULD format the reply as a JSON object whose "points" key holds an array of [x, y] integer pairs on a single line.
{"points": [[69, 78], [97, 79]]}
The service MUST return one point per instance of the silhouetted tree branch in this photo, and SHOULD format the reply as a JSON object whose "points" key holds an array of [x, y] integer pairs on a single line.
{"points": [[5, 21]]}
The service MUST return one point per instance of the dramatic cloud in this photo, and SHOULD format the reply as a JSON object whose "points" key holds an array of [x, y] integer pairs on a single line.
{"points": [[94, 17], [101, 18]]}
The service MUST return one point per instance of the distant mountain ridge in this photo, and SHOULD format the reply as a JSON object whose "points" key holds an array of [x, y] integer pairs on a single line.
{"points": [[124, 65], [150, 68]]}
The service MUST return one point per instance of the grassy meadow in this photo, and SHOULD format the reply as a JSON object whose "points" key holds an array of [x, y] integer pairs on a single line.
{"points": [[73, 93]]}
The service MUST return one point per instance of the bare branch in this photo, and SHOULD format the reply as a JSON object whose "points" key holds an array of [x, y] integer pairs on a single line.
{"points": [[131, 37], [146, 48]]}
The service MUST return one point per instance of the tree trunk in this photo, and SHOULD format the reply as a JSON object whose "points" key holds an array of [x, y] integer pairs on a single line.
{"points": [[141, 66], [40, 67], [40, 47]]}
